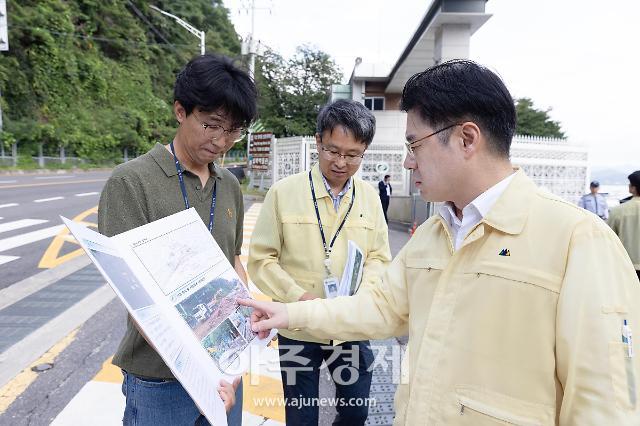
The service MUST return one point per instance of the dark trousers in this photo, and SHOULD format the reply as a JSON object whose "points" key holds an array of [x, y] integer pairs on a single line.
{"points": [[300, 364], [385, 207]]}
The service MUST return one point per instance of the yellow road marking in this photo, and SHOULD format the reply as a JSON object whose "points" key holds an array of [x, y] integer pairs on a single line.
{"points": [[13, 389], [50, 258], [267, 389], [109, 373], [29, 185]]}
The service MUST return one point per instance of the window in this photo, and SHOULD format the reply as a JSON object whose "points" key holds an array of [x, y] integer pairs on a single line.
{"points": [[374, 103]]}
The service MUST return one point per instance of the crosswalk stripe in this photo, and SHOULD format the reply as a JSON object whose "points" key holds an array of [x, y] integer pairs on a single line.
{"points": [[8, 205], [22, 223], [30, 237], [7, 259], [42, 200]]}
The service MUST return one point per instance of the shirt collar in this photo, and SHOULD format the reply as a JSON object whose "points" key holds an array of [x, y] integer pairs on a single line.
{"points": [[504, 206], [165, 160], [344, 190], [478, 208], [319, 182], [511, 209]]}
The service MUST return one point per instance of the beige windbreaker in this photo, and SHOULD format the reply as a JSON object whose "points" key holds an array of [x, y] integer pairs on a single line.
{"points": [[522, 325], [625, 222], [286, 256]]}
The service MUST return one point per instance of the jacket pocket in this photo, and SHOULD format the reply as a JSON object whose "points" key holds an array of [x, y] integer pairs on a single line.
{"points": [[359, 223], [425, 263], [484, 407], [299, 220], [623, 377], [518, 273]]}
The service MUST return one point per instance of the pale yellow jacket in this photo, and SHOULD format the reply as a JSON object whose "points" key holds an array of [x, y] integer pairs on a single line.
{"points": [[625, 221], [529, 338], [286, 256]]}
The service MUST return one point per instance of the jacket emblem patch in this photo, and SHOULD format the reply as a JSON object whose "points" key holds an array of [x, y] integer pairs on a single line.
{"points": [[505, 252]]}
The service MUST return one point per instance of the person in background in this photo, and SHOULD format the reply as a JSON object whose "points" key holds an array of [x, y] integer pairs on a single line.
{"points": [[595, 202], [385, 190], [299, 249], [625, 221], [214, 102], [518, 304]]}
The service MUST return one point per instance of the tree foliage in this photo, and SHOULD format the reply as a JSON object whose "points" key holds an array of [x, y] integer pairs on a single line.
{"points": [[96, 76], [293, 90], [535, 122]]}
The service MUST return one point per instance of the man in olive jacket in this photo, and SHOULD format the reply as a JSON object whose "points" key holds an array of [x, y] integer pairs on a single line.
{"points": [[214, 101]]}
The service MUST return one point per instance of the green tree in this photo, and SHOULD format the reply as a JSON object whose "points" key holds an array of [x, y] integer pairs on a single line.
{"points": [[535, 122], [293, 90], [96, 76]]}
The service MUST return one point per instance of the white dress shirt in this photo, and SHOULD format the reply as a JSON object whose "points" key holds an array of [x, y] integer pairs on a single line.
{"points": [[473, 212]]}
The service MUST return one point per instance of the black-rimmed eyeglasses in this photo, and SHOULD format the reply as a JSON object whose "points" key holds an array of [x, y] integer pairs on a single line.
{"points": [[411, 146], [215, 131]]}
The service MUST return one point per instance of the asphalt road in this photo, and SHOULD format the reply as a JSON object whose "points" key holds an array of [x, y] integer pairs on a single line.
{"points": [[30, 206]]}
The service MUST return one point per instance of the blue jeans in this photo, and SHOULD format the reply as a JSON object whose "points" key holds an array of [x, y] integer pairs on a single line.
{"points": [[351, 363], [157, 402]]}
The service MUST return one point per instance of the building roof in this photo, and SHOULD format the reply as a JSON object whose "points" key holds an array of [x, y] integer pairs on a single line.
{"points": [[419, 53]]}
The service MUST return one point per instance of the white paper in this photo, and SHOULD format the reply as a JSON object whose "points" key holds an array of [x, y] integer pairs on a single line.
{"points": [[352, 274], [181, 290]]}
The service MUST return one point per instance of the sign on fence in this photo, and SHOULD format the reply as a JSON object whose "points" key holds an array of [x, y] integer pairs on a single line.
{"points": [[260, 151]]}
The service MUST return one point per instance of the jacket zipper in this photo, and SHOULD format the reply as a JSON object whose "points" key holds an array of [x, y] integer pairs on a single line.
{"points": [[495, 414]]}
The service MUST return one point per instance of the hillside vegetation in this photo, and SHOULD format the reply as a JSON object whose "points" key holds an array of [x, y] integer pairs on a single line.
{"points": [[96, 76]]}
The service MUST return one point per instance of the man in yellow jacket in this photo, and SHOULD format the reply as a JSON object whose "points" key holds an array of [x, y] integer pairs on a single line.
{"points": [[519, 305], [298, 251], [625, 221]]}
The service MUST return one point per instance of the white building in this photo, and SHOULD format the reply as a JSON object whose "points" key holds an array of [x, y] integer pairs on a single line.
{"points": [[444, 33]]}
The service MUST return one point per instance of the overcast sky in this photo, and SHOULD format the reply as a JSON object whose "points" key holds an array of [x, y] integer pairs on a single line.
{"points": [[578, 57]]}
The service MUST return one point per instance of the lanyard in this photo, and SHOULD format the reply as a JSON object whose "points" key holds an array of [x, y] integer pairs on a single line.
{"points": [[327, 251], [184, 190]]}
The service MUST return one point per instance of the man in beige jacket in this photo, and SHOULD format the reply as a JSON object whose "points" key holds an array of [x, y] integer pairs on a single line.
{"points": [[518, 304], [625, 221]]}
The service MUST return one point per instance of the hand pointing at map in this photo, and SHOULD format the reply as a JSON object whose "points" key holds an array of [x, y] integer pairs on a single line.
{"points": [[266, 316]]}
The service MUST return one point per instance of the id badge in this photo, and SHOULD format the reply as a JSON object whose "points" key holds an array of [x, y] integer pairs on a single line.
{"points": [[331, 287]]}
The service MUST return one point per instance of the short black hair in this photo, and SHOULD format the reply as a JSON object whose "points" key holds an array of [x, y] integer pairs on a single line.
{"points": [[210, 82], [634, 179], [460, 90], [387, 176], [351, 115]]}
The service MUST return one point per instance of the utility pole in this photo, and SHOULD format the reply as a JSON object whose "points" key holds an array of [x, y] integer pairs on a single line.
{"points": [[250, 45], [4, 46], [193, 30]]}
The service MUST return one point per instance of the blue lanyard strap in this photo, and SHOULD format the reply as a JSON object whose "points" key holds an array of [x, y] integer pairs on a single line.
{"points": [[184, 190], [327, 251]]}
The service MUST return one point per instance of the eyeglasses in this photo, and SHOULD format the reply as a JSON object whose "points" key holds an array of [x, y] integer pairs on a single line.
{"points": [[216, 131], [411, 146], [335, 155]]}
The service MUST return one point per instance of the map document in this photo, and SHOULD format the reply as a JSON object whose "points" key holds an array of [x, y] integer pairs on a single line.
{"points": [[181, 291]]}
